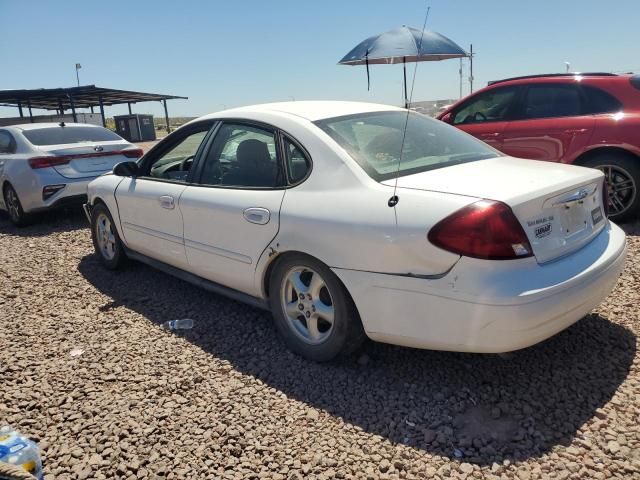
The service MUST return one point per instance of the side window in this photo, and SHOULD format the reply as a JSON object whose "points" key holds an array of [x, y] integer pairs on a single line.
{"points": [[175, 163], [492, 106], [298, 164], [599, 101], [243, 156], [548, 100], [6, 142]]}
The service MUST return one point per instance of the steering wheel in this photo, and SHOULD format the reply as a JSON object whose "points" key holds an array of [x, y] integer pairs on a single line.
{"points": [[479, 117], [183, 163]]}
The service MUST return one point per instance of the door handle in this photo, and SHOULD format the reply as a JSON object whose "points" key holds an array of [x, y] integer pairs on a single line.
{"points": [[490, 135], [573, 131], [167, 201], [257, 215]]}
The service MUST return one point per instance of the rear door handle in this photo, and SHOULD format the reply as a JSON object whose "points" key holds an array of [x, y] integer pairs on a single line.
{"points": [[489, 135], [257, 215], [167, 201], [572, 131]]}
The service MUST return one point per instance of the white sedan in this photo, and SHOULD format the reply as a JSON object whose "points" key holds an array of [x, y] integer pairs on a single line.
{"points": [[294, 207], [48, 165]]}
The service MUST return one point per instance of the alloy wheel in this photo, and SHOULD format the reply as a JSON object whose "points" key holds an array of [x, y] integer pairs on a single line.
{"points": [[621, 188], [104, 236], [13, 204], [307, 305]]}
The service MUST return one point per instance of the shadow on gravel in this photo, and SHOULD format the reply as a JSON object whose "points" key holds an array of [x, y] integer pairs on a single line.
{"points": [[474, 408], [45, 223]]}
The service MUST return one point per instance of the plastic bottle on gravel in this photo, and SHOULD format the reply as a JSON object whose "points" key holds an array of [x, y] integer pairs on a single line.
{"points": [[18, 450], [182, 324]]}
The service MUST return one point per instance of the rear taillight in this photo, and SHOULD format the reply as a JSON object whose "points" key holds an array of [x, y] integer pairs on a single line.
{"points": [[44, 162], [485, 229], [133, 153]]}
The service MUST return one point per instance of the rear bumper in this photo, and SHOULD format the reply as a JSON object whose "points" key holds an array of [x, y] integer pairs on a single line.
{"points": [[30, 194], [488, 307]]}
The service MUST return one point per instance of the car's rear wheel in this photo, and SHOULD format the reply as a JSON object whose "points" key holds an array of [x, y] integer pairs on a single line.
{"points": [[14, 207], [106, 240], [622, 174], [312, 310]]}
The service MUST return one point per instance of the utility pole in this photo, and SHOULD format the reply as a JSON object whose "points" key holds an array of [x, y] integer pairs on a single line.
{"points": [[471, 68], [567, 66], [78, 67]]}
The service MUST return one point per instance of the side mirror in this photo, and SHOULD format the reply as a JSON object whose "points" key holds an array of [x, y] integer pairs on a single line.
{"points": [[447, 118], [126, 169]]}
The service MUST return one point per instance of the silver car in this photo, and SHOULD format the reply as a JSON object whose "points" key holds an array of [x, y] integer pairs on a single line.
{"points": [[48, 165]]}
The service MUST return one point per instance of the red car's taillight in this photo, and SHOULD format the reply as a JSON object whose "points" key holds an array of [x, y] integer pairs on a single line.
{"points": [[485, 229], [133, 153], [44, 162]]}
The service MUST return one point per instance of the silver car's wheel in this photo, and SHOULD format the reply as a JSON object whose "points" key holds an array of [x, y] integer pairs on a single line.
{"points": [[621, 188], [105, 237], [307, 304], [14, 207]]}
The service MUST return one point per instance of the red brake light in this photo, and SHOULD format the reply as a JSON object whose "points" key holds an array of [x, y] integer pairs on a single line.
{"points": [[44, 162], [485, 229], [52, 161], [133, 153]]}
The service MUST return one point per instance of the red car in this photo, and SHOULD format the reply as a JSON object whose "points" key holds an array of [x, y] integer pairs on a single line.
{"points": [[589, 119]]}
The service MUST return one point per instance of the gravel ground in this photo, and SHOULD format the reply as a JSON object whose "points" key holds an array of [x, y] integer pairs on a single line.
{"points": [[88, 372]]}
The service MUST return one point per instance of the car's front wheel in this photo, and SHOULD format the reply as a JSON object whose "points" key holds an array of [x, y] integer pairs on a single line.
{"points": [[14, 207], [106, 240], [622, 174], [312, 310]]}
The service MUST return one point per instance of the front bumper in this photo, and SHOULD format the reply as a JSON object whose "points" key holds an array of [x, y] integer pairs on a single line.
{"points": [[488, 306]]}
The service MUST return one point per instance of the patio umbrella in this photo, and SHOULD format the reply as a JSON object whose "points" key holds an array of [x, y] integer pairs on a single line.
{"points": [[402, 45]]}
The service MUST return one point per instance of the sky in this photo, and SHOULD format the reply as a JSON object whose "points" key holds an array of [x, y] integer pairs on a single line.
{"points": [[223, 54]]}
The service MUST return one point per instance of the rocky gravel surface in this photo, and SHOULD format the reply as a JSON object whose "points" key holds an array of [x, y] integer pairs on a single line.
{"points": [[87, 371]]}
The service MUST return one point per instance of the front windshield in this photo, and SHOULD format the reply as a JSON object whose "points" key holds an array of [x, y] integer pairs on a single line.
{"points": [[374, 141]]}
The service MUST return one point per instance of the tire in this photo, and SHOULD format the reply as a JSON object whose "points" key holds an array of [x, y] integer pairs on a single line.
{"points": [[307, 330], [622, 174], [14, 207], [106, 241]]}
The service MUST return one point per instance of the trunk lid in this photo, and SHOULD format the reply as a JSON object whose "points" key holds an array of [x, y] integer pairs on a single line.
{"points": [[559, 206], [88, 159]]}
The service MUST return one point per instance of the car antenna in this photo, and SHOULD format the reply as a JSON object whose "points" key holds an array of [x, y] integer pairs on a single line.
{"points": [[393, 201]]}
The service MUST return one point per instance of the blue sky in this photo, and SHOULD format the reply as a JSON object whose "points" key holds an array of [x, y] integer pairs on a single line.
{"points": [[241, 52]]}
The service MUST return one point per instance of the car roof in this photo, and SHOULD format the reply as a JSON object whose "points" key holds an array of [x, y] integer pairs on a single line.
{"points": [[33, 126], [561, 76], [309, 110]]}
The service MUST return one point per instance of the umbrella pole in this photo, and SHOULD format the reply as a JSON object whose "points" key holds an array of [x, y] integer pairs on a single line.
{"points": [[404, 69]]}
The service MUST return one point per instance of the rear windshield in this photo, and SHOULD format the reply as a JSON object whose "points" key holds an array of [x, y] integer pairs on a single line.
{"points": [[69, 134], [374, 140]]}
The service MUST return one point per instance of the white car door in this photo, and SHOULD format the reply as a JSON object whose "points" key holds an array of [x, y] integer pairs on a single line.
{"points": [[148, 204], [231, 212]]}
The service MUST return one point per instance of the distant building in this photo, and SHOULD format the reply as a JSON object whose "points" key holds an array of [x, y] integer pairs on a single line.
{"points": [[431, 107]]}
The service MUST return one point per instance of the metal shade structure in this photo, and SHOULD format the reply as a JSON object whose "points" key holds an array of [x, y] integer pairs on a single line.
{"points": [[402, 45], [86, 96]]}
